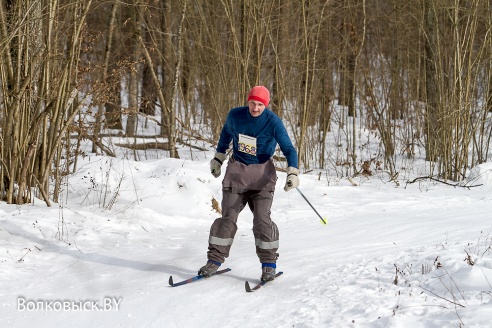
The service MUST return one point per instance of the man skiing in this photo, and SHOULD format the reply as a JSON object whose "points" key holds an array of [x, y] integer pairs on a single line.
{"points": [[250, 179]]}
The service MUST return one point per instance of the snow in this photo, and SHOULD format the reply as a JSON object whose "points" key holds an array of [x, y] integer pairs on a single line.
{"points": [[390, 256]]}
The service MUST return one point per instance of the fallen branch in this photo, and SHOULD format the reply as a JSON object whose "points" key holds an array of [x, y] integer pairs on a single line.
{"points": [[444, 182]]}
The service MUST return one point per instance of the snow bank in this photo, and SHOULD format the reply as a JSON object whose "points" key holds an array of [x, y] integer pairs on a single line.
{"points": [[480, 175]]}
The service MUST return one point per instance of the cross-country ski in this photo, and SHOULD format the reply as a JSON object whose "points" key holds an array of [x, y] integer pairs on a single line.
{"points": [[261, 284], [195, 278]]}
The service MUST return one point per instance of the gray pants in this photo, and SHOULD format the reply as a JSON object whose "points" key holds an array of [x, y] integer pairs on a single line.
{"points": [[224, 229]]}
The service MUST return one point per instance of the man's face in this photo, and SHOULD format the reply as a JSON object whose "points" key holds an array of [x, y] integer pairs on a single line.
{"points": [[255, 108]]}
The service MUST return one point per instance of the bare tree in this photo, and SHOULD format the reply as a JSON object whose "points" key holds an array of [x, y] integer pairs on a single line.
{"points": [[416, 74], [38, 93]]}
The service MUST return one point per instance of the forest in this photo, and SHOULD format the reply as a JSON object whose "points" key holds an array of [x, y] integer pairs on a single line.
{"points": [[412, 77]]}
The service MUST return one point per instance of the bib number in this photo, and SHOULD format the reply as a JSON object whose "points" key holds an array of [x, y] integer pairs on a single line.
{"points": [[247, 144]]}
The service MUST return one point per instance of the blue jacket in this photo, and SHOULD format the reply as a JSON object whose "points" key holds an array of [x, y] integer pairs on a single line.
{"points": [[255, 138]]}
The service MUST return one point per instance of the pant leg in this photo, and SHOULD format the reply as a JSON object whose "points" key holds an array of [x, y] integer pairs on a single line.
{"points": [[264, 229], [224, 229]]}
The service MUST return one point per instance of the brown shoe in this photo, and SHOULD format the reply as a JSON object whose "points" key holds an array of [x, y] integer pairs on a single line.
{"points": [[267, 273], [208, 269]]}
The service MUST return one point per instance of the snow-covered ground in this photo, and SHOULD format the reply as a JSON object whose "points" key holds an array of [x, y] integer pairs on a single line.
{"points": [[389, 256]]}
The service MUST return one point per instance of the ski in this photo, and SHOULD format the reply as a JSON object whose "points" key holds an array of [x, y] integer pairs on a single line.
{"points": [[261, 284], [195, 278]]}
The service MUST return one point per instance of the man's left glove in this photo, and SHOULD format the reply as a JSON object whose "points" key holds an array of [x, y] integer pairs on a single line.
{"points": [[292, 178], [216, 164]]}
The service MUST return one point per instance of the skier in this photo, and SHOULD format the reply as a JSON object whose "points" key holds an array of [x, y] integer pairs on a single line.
{"points": [[250, 179]]}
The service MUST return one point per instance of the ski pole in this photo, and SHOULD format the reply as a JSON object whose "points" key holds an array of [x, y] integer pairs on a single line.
{"points": [[322, 220]]}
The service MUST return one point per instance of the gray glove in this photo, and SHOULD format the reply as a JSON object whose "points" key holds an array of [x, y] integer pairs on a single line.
{"points": [[292, 179], [216, 164]]}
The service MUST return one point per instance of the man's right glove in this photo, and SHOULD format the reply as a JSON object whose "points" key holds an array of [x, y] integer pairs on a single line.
{"points": [[216, 163], [292, 179]]}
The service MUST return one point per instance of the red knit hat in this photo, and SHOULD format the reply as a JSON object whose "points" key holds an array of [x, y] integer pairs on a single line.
{"points": [[260, 93]]}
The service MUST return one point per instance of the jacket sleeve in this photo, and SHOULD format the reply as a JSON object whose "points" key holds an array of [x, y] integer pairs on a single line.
{"points": [[286, 145], [225, 136]]}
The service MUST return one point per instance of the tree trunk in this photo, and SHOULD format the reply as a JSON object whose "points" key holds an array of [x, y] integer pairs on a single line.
{"points": [[131, 124], [431, 91], [104, 73]]}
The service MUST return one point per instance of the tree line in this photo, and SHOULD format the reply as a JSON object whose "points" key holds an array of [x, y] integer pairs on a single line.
{"points": [[416, 73]]}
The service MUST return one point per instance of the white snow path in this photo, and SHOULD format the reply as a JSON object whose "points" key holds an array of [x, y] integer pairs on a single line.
{"points": [[338, 275]]}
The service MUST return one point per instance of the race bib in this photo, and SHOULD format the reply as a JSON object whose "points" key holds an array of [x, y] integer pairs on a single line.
{"points": [[247, 144]]}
